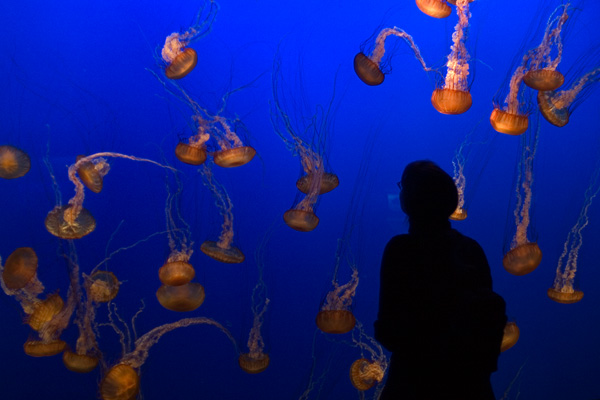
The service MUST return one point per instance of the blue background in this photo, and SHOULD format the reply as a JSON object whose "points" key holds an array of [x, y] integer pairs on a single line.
{"points": [[74, 81]]}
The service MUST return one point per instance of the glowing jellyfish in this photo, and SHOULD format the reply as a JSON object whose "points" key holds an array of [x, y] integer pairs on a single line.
{"points": [[194, 152], [181, 298], [180, 60], [103, 286], [221, 250], [14, 162], [92, 173], [335, 315], [524, 256], [512, 119], [434, 8], [557, 106], [73, 221], [454, 97], [20, 268], [233, 152], [367, 372], [563, 290], [542, 73], [122, 381], [369, 68], [510, 337]]}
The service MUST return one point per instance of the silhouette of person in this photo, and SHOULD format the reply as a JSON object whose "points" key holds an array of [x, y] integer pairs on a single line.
{"points": [[437, 313]]}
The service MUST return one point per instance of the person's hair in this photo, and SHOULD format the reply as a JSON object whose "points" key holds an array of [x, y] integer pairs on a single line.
{"points": [[427, 191]]}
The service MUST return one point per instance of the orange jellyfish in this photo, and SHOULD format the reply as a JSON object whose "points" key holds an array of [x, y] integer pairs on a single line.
{"points": [[512, 119], [122, 381], [563, 290], [335, 315], [367, 372], [542, 73], [369, 68], [179, 59], [73, 221], [223, 249], [557, 106], [14, 162], [92, 173], [20, 268], [454, 97], [194, 152], [524, 256], [434, 8], [510, 337], [103, 286]]}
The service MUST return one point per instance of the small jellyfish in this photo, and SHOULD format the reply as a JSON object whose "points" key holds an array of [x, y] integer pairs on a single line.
{"points": [[454, 97], [122, 381], [194, 152], [557, 106], [179, 59], [563, 289], [369, 68], [233, 152], [39, 348], [103, 286], [367, 372], [510, 337], [14, 162], [434, 8], [221, 250], [20, 268], [524, 256], [181, 298], [335, 315], [80, 363], [44, 311], [92, 173], [176, 273]]}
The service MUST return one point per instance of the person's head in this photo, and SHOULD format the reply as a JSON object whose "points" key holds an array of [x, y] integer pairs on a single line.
{"points": [[427, 191]]}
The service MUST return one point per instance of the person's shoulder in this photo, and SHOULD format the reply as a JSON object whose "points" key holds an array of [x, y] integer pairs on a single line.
{"points": [[464, 239]]}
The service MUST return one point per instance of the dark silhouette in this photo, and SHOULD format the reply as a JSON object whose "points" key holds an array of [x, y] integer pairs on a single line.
{"points": [[437, 314]]}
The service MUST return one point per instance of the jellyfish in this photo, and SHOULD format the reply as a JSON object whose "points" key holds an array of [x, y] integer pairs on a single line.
{"points": [[122, 381], [72, 221], [103, 286], [542, 73], [539, 67], [20, 268], [44, 311], [14, 162], [563, 289], [369, 68], [314, 180], [92, 173], [434, 8], [524, 256], [367, 372], [454, 97], [221, 250], [179, 59], [511, 336], [194, 152], [557, 106], [335, 315]]}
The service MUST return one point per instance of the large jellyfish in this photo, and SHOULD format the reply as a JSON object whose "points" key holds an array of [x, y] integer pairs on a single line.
{"points": [[14, 162], [294, 131], [434, 8], [557, 106], [223, 249], [524, 256], [369, 68], [179, 59], [563, 290], [73, 221], [454, 97], [122, 381]]}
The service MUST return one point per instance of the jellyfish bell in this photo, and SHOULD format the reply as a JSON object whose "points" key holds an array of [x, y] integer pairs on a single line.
{"points": [[359, 376], [39, 348], [176, 273], [182, 298], [434, 8], [103, 287], [450, 101], [57, 223], [565, 297], [90, 175], [329, 182], [556, 116], [335, 321], [14, 162], [44, 311], [234, 157], [367, 70], [20, 268], [510, 336], [509, 123], [460, 214], [543, 79], [230, 255], [182, 65], [189, 154], [121, 382], [253, 365], [79, 363], [522, 259], [301, 220]]}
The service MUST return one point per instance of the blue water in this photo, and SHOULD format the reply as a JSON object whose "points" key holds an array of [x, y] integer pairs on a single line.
{"points": [[75, 80]]}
